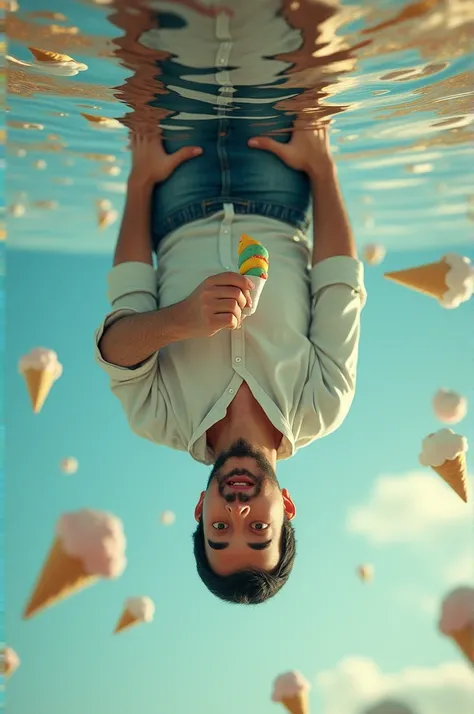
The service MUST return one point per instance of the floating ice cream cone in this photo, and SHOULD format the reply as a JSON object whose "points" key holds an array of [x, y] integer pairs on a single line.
{"points": [[298, 704], [445, 453], [450, 280], [464, 639], [88, 545], [457, 620], [127, 620], [40, 369], [292, 691], [135, 611], [62, 575], [102, 122], [9, 662], [48, 56]]}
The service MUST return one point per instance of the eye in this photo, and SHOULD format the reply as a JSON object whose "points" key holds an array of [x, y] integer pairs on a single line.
{"points": [[259, 526], [220, 526]]}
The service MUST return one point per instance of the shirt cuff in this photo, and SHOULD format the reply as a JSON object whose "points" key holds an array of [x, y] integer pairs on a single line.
{"points": [[116, 372], [336, 270], [131, 277]]}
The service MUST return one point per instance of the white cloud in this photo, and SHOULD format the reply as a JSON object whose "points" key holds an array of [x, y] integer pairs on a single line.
{"points": [[357, 683], [425, 603], [408, 507]]}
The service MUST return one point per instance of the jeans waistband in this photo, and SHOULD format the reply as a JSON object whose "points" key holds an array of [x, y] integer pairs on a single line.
{"points": [[202, 209]]}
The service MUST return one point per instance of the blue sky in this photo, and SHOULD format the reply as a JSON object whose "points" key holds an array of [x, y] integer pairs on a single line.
{"points": [[199, 654]]}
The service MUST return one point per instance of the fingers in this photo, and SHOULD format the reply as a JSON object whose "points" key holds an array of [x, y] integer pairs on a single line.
{"points": [[267, 144], [235, 279], [184, 154]]}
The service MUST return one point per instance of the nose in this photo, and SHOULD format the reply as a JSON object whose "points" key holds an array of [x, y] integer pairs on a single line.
{"points": [[237, 509]]}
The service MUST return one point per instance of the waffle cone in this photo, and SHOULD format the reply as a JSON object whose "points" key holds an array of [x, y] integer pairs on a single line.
{"points": [[126, 620], [61, 576], [93, 118], [47, 56], [454, 473], [429, 279], [465, 641], [39, 383], [299, 704]]}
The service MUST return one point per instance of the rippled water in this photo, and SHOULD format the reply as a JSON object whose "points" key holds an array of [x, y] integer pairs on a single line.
{"points": [[394, 80]]}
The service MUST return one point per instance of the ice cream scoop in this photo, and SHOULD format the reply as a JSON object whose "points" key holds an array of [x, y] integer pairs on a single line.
{"points": [[374, 253], [449, 406], [9, 662]]}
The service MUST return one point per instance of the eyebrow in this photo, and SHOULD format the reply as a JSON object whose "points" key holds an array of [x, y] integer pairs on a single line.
{"points": [[254, 546]]}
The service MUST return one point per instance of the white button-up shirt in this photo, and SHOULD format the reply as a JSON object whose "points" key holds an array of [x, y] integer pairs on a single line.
{"points": [[297, 352]]}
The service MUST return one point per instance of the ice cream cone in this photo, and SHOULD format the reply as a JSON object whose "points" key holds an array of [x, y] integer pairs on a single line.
{"points": [[299, 704], [47, 56], [127, 620], [61, 576], [429, 279], [454, 473], [465, 641], [39, 383], [255, 295]]}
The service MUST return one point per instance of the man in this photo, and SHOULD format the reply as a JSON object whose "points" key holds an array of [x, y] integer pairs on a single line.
{"points": [[239, 399]]}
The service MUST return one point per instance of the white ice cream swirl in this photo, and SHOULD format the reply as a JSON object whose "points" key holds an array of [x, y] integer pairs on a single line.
{"points": [[41, 359], [459, 280], [289, 685], [142, 608], [97, 538], [442, 446]]}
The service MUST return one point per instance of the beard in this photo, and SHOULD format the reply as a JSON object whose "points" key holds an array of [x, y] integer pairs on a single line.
{"points": [[239, 449]]}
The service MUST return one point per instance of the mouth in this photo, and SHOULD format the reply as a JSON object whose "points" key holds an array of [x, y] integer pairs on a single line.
{"points": [[240, 483]]}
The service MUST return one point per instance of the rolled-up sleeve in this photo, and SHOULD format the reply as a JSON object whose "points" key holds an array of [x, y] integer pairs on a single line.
{"points": [[337, 298], [132, 289]]}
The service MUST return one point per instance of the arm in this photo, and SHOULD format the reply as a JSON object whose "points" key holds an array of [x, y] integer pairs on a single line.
{"points": [[337, 288], [138, 330]]}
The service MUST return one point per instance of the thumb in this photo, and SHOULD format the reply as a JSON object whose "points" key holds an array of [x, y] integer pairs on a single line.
{"points": [[267, 144], [184, 154]]}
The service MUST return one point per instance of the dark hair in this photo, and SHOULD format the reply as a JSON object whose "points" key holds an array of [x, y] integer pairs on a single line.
{"points": [[247, 587]]}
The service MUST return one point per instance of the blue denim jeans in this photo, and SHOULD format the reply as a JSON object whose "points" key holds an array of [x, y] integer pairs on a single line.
{"points": [[220, 116]]}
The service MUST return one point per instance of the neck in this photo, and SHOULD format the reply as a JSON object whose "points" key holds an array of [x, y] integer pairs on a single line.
{"points": [[245, 419]]}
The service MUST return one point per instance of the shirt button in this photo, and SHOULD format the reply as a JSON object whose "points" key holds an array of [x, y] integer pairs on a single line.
{"points": [[231, 391], [227, 267], [238, 359], [225, 230]]}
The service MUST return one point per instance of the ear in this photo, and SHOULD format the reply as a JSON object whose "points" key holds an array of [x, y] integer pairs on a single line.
{"points": [[290, 508], [199, 507]]}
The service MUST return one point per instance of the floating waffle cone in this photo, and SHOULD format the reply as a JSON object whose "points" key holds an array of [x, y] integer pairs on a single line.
{"points": [[39, 383], [93, 118], [127, 620], [453, 471], [62, 576], [465, 641], [298, 704], [47, 56], [429, 279]]}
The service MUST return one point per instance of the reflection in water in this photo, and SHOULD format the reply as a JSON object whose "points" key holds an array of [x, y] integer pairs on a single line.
{"points": [[389, 79]]}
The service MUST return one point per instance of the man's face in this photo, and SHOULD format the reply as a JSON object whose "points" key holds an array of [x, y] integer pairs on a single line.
{"points": [[243, 511]]}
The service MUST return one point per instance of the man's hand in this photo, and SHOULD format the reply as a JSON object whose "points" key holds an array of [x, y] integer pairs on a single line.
{"points": [[308, 150], [215, 305], [150, 162]]}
